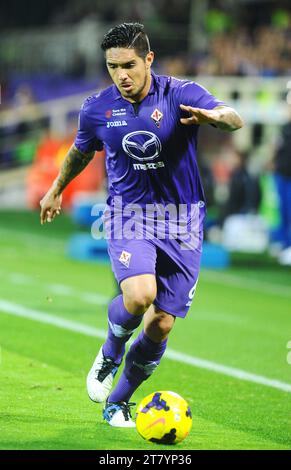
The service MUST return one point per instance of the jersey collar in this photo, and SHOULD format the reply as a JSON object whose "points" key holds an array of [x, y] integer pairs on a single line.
{"points": [[152, 89]]}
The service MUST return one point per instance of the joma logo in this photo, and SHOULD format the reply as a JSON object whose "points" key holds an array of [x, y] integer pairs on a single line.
{"points": [[116, 124]]}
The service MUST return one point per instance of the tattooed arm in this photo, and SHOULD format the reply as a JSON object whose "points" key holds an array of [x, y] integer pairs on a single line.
{"points": [[227, 119], [73, 164], [223, 117]]}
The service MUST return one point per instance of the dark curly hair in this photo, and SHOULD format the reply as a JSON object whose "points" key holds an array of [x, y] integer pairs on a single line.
{"points": [[129, 35]]}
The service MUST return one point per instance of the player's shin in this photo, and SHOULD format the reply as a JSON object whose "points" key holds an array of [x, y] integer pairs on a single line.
{"points": [[121, 325], [141, 361]]}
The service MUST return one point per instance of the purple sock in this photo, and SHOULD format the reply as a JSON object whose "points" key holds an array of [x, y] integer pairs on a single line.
{"points": [[142, 359], [121, 325]]}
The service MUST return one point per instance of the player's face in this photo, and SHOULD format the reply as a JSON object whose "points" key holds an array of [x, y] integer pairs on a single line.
{"points": [[130, 73]]}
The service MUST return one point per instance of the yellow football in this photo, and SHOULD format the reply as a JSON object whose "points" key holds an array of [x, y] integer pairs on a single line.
{"points": [[163, 417]]}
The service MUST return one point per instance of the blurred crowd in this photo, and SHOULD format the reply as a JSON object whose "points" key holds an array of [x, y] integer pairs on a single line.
{"points": [[239, 39], [266, 52], [239, 48]]}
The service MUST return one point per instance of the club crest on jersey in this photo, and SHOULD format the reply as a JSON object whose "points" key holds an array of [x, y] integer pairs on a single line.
{"points": [[125, 258], [157, 116]]}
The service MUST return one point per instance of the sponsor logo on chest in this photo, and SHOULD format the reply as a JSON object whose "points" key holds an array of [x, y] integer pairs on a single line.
{"points": [[119, 112]]}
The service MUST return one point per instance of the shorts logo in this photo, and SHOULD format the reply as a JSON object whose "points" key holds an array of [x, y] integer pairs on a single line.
{"points": [[191, 294], [157, 116], [142, 145], [125, 258]]}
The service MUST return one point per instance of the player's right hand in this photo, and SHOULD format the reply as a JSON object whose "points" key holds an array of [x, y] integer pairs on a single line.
{"points": [[50, 206]]}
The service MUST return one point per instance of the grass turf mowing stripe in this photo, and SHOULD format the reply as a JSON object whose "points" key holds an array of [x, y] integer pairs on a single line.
{"points": [[246, 284], [60, 289], [19, 310], [209, 276]]}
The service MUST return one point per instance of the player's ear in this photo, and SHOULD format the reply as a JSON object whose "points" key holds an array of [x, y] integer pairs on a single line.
{"points": [[150, 58]]}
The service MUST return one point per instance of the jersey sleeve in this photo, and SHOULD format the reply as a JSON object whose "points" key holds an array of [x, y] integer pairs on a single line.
{"points": [[195, 95], [86, 140]]}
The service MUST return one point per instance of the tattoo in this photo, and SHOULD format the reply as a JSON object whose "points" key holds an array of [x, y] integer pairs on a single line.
{"points": [[229, 119], [73, 164]]}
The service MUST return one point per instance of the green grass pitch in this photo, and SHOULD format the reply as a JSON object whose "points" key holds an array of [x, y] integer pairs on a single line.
{"points": [[240, 319]]}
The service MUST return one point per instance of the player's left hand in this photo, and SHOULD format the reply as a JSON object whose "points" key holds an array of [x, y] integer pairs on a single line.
{"points": [[198, 116]]}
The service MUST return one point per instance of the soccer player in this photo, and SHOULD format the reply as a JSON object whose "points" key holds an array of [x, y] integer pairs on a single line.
{"points": [[148, 125]]}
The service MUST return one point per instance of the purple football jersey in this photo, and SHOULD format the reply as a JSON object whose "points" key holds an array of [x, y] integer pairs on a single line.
{"points": [[150, 155]]}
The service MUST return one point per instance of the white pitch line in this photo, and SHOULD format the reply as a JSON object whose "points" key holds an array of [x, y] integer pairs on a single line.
{"points": [[226, 370], [89, 297], [42, 317], [18, 278]]}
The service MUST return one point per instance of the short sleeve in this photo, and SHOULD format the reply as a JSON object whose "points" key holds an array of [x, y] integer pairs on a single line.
{"points": [[195, 95], [86, 140]]}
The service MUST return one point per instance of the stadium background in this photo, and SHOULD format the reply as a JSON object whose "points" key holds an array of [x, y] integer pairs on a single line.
{"points": [[234, 364]]}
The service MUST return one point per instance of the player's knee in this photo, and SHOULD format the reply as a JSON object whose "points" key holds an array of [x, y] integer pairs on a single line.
{"points": [[140, 299]]}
